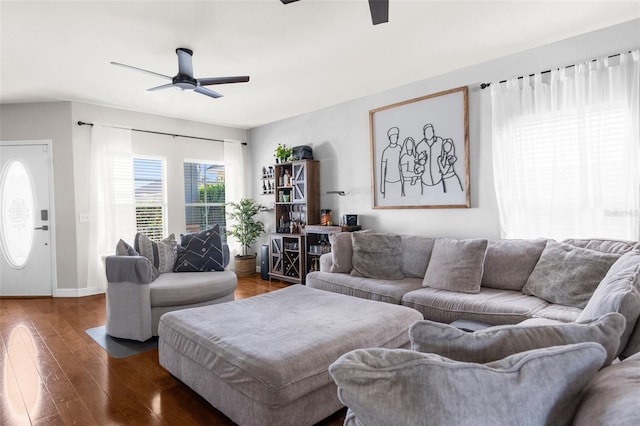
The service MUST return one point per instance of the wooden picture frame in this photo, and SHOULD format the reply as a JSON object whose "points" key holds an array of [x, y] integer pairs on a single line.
{"points": [[420, 152]]}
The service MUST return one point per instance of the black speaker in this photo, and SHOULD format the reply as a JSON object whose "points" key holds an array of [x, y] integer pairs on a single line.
{"points": [[264, 262]]}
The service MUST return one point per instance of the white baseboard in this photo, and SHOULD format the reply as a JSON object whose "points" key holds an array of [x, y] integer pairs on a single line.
{"points": [[77, 292]]}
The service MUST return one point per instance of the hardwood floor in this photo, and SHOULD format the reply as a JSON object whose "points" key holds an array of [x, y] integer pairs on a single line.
{"points": [[53, 373]]}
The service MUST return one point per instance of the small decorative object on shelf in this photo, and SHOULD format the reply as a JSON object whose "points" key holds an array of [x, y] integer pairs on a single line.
{"points": [[268, 184], [282, 153]]}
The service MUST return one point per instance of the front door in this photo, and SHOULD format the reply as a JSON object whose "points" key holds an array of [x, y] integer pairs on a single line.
{"points": [[25, 213]]}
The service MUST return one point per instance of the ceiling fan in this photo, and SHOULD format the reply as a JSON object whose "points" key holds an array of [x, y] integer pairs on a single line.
{"points": [[379, 10], [184, 80]]}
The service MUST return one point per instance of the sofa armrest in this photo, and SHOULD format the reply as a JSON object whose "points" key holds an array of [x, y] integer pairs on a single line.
{"points": [[134, 269], [326, 260]]}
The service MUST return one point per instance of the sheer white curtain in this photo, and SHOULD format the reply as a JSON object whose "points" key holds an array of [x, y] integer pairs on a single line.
{"points": [[234, 184], [112, 211], [566, 149]]}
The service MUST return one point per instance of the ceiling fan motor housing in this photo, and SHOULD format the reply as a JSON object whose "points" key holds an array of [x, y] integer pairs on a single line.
{"points": [[185, 82]]}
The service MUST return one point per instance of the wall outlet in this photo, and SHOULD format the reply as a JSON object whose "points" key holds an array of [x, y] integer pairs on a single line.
{"points": [[84, 217]]}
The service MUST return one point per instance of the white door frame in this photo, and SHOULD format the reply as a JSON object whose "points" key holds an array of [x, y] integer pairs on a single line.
{"points": [[52, 216]]}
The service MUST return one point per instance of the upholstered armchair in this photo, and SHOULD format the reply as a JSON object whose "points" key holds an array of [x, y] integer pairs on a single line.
{"points": [[137, 296]]}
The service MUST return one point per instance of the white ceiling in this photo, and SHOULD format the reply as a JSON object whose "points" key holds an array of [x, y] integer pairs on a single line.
{"points": [[301, 57]]}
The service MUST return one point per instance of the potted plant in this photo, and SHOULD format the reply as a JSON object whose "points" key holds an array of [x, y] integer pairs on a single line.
{"points": [[283, 153], [246, 230]]}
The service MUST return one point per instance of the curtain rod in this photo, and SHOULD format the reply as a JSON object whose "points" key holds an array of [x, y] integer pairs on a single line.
{"points": [[83, 123], [485, 85]]}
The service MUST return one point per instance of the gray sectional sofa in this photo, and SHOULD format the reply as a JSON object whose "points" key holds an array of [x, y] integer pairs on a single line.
{"points": [[494, 282]]}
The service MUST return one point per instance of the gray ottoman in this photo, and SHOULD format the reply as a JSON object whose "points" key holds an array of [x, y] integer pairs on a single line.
{"points": [[264, 360]]}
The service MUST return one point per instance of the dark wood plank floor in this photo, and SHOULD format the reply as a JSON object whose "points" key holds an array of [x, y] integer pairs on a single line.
{"points": [[53, 373]]}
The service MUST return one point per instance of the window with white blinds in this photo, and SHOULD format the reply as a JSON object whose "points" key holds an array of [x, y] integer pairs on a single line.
{"points": [[574, 172], [566, 151], [150, 197], [204, 196]]}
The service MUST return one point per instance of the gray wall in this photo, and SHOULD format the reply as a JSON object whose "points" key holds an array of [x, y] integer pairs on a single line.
{"points": [[71, 158], [339, 136], [51, 121]]}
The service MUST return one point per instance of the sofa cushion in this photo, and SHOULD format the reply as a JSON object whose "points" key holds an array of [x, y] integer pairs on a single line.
{"points": [[416, 252], [200, 252], [509, 263], [389, 291], [605, 246], [162, 254], [174, 289], [489, 306], [630, 258], [456, 265], [124, 249], [377, 256], [400, 387], [559, 313], [568, 275], [611, 398], [342, 251], [494, 343], [618, 292]]}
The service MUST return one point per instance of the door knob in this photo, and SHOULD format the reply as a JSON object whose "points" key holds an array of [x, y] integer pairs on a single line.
{"points": [[44, 228]]}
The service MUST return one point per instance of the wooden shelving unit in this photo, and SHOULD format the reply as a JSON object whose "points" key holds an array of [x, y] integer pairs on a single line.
{"points": [[317, 239], [297, 204]]}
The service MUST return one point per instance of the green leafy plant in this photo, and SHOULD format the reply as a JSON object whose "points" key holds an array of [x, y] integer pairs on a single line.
{"points": [[244, 226], [283, 153]]}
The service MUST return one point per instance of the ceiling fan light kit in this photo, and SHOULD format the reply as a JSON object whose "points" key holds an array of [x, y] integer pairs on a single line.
{"points": [[185, 80]]}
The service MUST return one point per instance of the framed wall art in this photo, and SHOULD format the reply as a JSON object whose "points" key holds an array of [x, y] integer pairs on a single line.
{"points": [[420, 152]]}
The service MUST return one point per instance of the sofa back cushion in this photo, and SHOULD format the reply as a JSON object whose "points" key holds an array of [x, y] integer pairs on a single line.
{"points": [[416, 252], [401, 387], [498, 342], [456, 265], [568, 275], [377, 256], [342, 251], [508, 263], [605, 246], [619, 292], [611, 398]]}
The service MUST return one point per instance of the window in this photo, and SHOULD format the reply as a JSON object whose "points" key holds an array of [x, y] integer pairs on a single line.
{"points": [[204, 193], [150, 198], [573, 177]]}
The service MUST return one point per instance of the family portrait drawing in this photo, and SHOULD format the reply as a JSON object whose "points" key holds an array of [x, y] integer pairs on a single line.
{"points": [[419, 152]]}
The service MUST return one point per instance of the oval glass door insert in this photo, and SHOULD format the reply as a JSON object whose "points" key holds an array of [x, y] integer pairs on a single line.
{"points": [[16, 214]]}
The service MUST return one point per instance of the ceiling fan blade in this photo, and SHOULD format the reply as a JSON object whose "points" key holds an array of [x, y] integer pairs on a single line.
{"points": [[222, 80], [141, 70], [207, 92], [185, 65], [379, 11], [287, 1], [164, 86]]}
